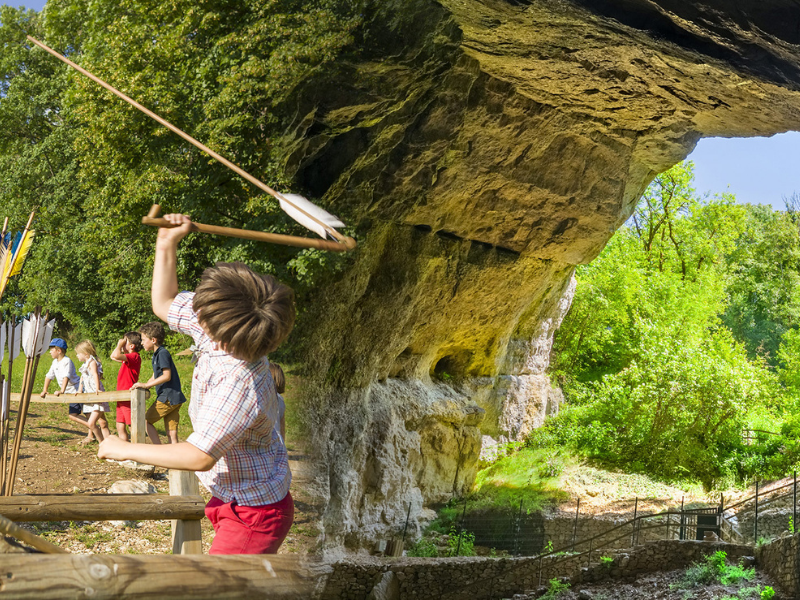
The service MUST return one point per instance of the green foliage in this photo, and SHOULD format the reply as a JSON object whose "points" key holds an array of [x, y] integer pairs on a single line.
{"points": [[223, 71], [461, 543], [767, 593], [655, 381], [715, 569], [556, 589], [607, 561], [424, 548], [791, 525]]}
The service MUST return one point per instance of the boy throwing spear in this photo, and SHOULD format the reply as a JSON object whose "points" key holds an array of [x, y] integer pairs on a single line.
{"points": [[236, 317]]}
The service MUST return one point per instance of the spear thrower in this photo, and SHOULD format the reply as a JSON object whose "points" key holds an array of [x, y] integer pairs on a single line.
{"points": [[298, 208]]}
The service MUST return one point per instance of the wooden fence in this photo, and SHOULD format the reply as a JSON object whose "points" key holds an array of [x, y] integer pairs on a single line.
{"points": [[184, 507]]}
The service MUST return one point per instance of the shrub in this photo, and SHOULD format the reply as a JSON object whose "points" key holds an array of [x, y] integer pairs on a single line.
{"points": [[556, 589], [461, 543], [423, 548]]}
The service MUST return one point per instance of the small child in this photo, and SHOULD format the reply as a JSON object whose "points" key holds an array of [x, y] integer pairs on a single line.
{"points": [[91, 376], [169, 396], [236, 318], [127, 353], [280, 386], [63, 371]]}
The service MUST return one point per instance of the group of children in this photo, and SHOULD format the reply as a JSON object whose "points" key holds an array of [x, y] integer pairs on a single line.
{"points": [[165, 379], [236, 318]]}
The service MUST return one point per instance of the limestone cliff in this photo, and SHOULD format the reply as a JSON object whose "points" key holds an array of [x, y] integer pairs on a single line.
{"points": [[484, 148]]}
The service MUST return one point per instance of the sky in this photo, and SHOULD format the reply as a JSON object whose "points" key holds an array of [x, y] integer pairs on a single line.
{"points": [[756, 170]]}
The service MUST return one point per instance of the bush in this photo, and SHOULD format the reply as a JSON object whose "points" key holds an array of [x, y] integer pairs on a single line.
{"points": [[461, 543], [424, 548], [556, 589], [714, 569]]}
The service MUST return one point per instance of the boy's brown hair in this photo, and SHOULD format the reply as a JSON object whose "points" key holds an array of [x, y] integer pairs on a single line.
{"points": [[278, 377], [248, 314], [134, 338], [154, 330]]}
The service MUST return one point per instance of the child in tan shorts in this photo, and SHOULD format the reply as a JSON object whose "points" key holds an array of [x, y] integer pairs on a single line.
{"points": [[169, 396]]}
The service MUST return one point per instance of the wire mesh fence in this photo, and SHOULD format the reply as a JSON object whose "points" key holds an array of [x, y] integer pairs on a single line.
{"points": [[520, 531]]}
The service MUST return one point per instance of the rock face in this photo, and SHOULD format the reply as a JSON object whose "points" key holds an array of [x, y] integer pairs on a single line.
{"points": [[483, 148]]}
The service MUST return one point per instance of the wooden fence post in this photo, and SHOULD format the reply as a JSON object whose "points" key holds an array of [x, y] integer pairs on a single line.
{"points": [[186, 535], [138, 410]]}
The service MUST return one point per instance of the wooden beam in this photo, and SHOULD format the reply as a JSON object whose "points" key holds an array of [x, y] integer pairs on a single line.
{"points": [[79, 398], [102, 507], [186, 535], [138, 398], [101, 577]]}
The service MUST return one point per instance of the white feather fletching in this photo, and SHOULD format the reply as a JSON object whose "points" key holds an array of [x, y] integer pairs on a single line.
{"points": [[313, 210], [44, 342], [14, 348], [29, 331], [2, 341]]}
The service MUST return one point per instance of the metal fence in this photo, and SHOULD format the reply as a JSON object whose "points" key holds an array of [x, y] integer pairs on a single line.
{"points": [[770, 512]]}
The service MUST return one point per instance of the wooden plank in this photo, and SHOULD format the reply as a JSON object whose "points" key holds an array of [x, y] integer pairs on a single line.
{"points": [[186, 535], [78, 398], [138, 400], [102, 507], [106, 577]]}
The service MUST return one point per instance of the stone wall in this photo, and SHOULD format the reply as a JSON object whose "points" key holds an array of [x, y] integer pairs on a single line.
{"points": [[489, 578], [781, 560]]}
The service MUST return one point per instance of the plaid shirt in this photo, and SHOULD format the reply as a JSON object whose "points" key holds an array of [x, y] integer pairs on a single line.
{"points": [[234, 412]]}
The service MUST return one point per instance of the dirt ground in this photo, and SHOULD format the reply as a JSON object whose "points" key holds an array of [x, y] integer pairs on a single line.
{"points": [[52, 462]]}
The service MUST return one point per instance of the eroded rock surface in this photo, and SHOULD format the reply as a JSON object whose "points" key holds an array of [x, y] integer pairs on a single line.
{"points": [[483, 148]]}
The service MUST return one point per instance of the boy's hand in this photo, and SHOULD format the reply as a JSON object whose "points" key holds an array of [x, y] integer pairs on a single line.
{"points": [[43, 395], [173, 235], [114, 448], [56, 393]]}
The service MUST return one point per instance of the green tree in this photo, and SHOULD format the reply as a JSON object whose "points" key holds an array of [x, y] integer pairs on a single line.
{"points": [[224, 71]]}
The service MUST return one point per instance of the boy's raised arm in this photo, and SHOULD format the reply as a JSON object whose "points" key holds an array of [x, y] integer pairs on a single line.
{"points": [[118, 353], [165, 274]]}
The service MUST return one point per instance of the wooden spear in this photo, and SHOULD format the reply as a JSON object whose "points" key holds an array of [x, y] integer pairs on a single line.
{"points": [[23, 535], [4, 426], [153, 220], [31, 364], [348, 243]]}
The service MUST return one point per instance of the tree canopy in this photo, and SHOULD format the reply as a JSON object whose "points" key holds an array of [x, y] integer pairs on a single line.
{"points": [[682, 333]]}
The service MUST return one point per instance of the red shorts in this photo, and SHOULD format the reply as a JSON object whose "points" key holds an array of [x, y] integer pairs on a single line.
{"points": [[124, 412], [249, 529]]}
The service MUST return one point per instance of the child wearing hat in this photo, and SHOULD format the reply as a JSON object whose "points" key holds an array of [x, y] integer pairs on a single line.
{"points": [[63, 371]]}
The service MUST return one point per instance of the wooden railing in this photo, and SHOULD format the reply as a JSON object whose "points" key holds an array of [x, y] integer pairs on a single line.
{"points": [[184, 507]]}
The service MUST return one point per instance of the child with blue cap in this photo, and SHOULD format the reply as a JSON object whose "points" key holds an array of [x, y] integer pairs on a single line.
{"points": [[63, 371]]}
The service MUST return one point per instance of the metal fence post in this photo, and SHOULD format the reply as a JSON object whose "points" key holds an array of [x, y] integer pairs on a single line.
{"points": [[633, 532], [461, 528], [721, 516], [516, 530], [794, 504], [755, 520], [682, 530], [575, 529]]}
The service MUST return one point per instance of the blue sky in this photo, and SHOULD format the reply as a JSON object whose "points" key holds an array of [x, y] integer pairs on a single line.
{"points": [[756, 170], [34, 4]]}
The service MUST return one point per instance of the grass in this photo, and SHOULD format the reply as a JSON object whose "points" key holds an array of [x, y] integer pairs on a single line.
{"points": [[55, 415], [528, 475]]}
